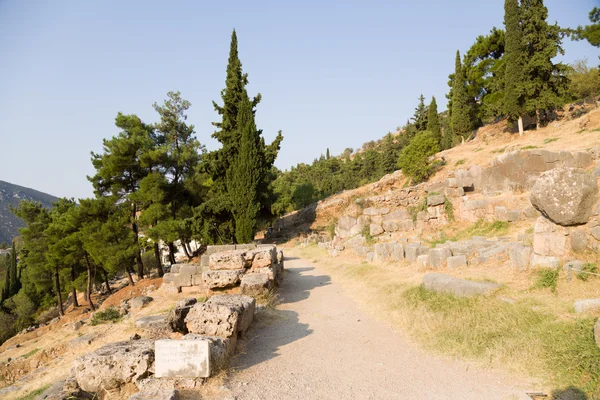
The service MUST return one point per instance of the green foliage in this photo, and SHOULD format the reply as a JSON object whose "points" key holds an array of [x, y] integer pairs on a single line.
{"points": [[111, 314], [23, 309], [414, 158], [331, 228], [550, 140], [449, 208], [433, 122], [591, 32], [34, 394], [584, 82], [415, 210], [515, 59], [389, 157], [529, 147], [547, 278], [30, 353], [586, 269], [461, 161], [462, 105], [7, 326], [366, 232]]}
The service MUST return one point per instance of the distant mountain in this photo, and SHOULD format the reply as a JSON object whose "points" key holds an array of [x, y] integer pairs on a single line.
{"points": [[12, 195]]}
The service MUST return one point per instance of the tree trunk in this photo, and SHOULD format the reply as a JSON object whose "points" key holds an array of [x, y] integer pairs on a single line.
{"points": [[89, 283], [61, 312], [138, 257], [105, 276], [172, 253], [158, 262], [130, 277], [185, 250], [74, 292], [520, 126]]}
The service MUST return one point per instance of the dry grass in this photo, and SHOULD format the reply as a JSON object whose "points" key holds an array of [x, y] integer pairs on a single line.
{"points": [[529, 331]]}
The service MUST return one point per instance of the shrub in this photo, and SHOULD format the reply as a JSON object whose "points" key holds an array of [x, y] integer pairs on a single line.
{"points": [[414, 158], [331, 228], [547, 278], [366, 232], [449, 208], [111, 314], [584, 275]]}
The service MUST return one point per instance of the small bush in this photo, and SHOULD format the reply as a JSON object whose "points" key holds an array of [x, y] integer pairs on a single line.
{"points": [[530, 147], [414, 158], [449, 208], [331, 228], [366, 232], [550, 140], [414, 210], [460, 162], [35, 393], [584, 275], [547, 278], [111, 314]]}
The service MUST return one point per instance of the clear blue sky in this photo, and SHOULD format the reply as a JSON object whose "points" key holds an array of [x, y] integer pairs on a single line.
{"points": [[332, 73]]}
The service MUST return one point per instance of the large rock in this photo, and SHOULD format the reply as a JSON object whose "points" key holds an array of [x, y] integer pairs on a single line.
{"points": [[520, 256], [213, 319], [176, 317], [245, 305], [156, 322], [456, 261], [548, 238], [114, 365], [565, 195], [344, 226], [435, 200], [221, 349], [228, 260], [578, 240], [255, 284], [261, 257], [139, 302], [587, 305], [443, 283], [222, 279], [375, 230], [438, 256]]}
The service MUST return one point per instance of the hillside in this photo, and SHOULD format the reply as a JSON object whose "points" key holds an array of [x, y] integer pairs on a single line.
{"points": [[11, 195]]}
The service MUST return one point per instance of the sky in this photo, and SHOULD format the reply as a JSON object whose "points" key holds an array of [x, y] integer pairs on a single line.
{"points": [[332, 74]]}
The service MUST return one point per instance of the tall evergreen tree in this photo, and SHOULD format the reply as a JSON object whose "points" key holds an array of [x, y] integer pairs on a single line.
{"points": [[515, 58], [461, 110], [545, 84], [390, 154], [244, 176], [433, 121], [419, 119]]}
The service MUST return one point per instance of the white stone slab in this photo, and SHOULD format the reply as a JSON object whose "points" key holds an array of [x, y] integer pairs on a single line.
{"points": [[182, 359]]}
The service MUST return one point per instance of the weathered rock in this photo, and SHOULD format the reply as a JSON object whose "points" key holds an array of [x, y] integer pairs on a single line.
{"points": [[501, 213], [498, 252], [261, 257], [531, 212], [587, 305], [344, 226], [596, 232], [538, 261], [140, 302], [597, 332], [520, 256], [390, 226], [164, 394], [397, 216], [422, 260], [578, 240], [151, 322], [244, 305], [188, 269], [228, 260], [213, 319], [182, 280], [169, 277], [565, 195], [456, 261], [459, 287], [413, 250], [371, 211], [255, 284], [375, 230], [221, 349], [398, 252], [548, 239], [176, 317], [437, 257], [435, 200], [114, 365], [222, 279], [513, 215]]}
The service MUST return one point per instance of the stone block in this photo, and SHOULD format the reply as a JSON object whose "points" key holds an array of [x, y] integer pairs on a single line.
{"points": [[169, 277], [587, 305], [219, 248], [182, 280], [245, 246], [548, 239], [435, 200], [390, 226], [412, 251], [255, 284], [513, 215], [244, 305], [422, 260], [261, 257], [222, 279], [346, 223], [498, 253], [501, 213], [578, 240], [228, 260], [213, 319], [271, 271], [151, 322], [456, 261], [397, 216], [443, 283], [188, 269], [437, 257], [204, 260], [538, 261], [531, 212], [596, 232], [182, 359], [371, 211], [520, 256], [221, 349], [198, 280], [175, 268], [454, 192], [140, 302], [406, 225], [375, 230], [397, 252]]}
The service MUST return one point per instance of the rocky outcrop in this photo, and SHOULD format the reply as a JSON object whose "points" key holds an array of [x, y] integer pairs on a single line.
{"points": [[443, 283], [565, 195], [114, 365]]}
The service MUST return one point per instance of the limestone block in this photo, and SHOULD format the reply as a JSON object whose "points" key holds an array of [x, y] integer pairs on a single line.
{"points": [[255, 284], [520, 256], [406, 225], [500, 213], [219, 248], [538, 261], [513, 215], [375, 230], [390, 226], [397, 216], [183, 280], [222, 279], [221, 349], [548, 239], [175, 268], [422, 260], [587, 305], [578, 240], [244, 305], [412, 251], [169, 277], [456, 261], [498, 252], [261, 257], [213, 319], [140, 302], [459, 287], [398, 252], [228, 260], [531, 212], [438, 256], [182, 359], [435, 200]]}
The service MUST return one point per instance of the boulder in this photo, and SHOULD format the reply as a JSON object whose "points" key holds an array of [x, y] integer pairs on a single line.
{"points": [[578, 240], [596, 232], [151, 322], [244, 305], [222, 279], [227, 260], [587, 305], [255, 284], [519, 256], [548, 239], [565, 195], [435, 200], [346, 223], [114, 365], [375, 230], [456, 261], [213, 319], [164, 394], [261, 257], [176, 317], [140, 302], [443, 283], [438, 256]]}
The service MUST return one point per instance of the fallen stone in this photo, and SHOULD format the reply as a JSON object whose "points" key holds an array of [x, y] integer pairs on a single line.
{"points": [[176, 317], [182, 280], [397, 252], [443, 283], [498, 252], [140, 302], [213, 319], [222, 279], [390, 226], [437, 257], [261, 257], [501, 213], [165, 394], [456, 261], [531, 212], [544, 261], [565, 195], [435, 200], [520, 256], [513, 215], [578, 240], [151, 322], [114, 365], [221, 349], [422, 260], [596, 232], [375, 230], [244, 305], [255, 284], [413, 250], [229, 260], [548, 239], [587, 305]]}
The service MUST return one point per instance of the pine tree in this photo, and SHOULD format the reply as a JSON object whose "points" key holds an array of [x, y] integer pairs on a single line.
{"points": [[515, 58], [544, 83], [15, 282], [244, 176], [591, 33], [390, 154], [433, 121], [419, 119], [327, 155], [461, 111]]}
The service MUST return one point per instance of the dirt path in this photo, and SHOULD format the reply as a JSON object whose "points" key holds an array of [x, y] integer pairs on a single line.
{"points": [[323, 347]]}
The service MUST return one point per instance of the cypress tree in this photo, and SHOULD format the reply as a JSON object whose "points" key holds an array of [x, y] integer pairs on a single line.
{"points": [[390, 154], [420, 117], [544, 83], [433, 121], [461, 113], [515, 58], [244, 176], [15, 283]]}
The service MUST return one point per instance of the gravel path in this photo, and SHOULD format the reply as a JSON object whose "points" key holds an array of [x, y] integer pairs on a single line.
{"points": [[323, 347]]}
